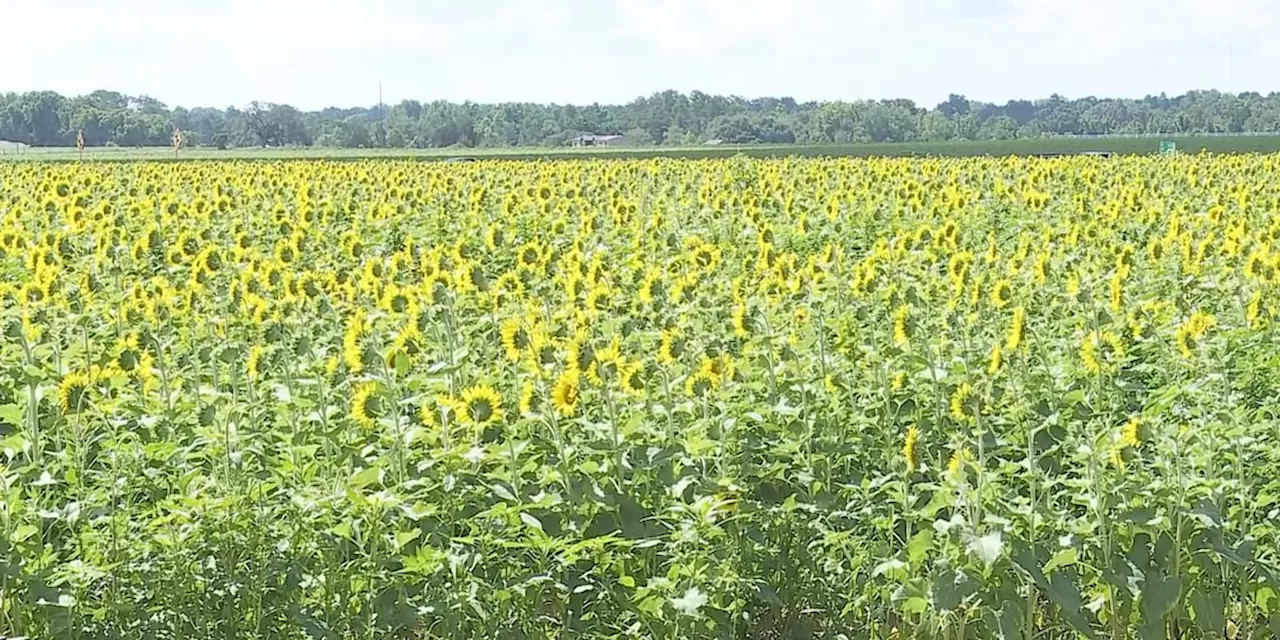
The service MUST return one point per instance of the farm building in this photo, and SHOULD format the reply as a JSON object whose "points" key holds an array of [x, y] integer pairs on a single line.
{"points": [[7, 147], [593, 140]]}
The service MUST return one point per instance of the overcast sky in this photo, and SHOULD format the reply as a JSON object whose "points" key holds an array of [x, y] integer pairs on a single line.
{"points": [[317, 53]]}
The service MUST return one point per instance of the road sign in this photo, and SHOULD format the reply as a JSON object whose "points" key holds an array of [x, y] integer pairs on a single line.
{"points": [[1168, 148]]}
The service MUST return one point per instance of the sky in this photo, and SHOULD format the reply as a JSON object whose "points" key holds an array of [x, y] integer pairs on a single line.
{"points": [[318, 53]]}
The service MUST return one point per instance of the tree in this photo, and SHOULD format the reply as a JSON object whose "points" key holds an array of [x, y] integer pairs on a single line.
{"points": [[1000, 128], [954, 106], [667, 117]]}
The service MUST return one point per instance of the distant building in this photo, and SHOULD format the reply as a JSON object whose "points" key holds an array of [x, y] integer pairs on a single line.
{"points": [[7, 146], [593, 140], [714, 141]]}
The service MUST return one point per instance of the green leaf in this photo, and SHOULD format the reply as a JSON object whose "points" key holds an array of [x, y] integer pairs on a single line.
{"points": [[11, 414], [1160, 594], [533, 522], [366, 477], [1064, 558], [1061, 591], [1010, 619], [403, 538], [1210, 611], [950, 588], [919, 546], [893, 568], [22, 533], [627, 581]]}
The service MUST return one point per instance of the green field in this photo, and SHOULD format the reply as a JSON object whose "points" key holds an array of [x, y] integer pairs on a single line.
{"points": [[1118, 145]]}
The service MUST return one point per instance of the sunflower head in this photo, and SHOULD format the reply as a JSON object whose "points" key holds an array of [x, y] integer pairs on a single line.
{"points": [[1101, 352], [565, 394], [529, 400], [367, 406], [1001, 294], [73, 391], [671, 345], [481, 405], [909, 445], [962, 409]]}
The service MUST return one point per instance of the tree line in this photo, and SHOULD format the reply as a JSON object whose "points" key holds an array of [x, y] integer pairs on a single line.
{"points": [[46, 118]]}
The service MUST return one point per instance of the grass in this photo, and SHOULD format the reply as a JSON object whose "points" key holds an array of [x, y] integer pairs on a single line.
{"points": [[1117, 145]]}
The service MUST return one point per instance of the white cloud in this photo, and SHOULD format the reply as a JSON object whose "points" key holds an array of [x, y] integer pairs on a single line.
{"points": [[315, 53]]}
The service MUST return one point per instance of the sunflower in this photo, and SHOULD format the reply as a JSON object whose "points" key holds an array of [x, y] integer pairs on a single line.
{"points": [[996, 360], [352, 350], [599, 298], [481, 405], [515, 338], [1017, 327], [630, 377], [128, 354], [909, 444], [1189, 335], [73, 391], [529, 400], [1253, 311], [742, 322], [901, 330], [606, 363], [565, 394], [961, 403], [653, 287], [396, 300], [366, 406], [1101, 351], [1001, 294], [254, 362], [701, 383], [427, 415], [959, 458], [671, 345], [1131, 434], [529, 256], [1117, 292]]}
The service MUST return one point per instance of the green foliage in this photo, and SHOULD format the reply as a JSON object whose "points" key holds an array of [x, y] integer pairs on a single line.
{"points": [[667, 118]]}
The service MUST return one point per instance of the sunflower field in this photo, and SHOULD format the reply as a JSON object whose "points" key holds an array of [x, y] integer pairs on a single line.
{"points": [[732, 398]]}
